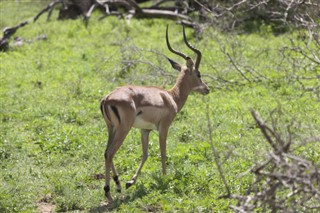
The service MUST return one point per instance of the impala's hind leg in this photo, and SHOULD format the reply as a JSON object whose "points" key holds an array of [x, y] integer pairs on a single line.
{"points": [[114, 171], [145, 142], [116, 178], [117, 134], [112, 148]]}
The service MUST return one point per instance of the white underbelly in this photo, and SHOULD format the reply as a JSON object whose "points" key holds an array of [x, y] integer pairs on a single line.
{"points": [[142, 124]]}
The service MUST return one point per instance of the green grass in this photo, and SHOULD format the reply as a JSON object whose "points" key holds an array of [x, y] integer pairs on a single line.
{"points": [[53, 136]]}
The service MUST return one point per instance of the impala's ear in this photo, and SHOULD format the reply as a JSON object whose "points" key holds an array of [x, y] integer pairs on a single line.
{"points": [[175, 65], [190, 65]]}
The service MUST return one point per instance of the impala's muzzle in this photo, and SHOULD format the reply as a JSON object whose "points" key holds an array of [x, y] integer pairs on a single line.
{"points": [[203, 89]]}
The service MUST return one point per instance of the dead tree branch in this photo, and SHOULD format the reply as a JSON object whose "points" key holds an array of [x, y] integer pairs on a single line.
{"points": [[216, 155], [7, 33], [284, 182], [227, 15], [48, 9], [302, 55]]}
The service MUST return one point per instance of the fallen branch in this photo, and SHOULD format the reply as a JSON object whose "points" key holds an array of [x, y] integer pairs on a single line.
{"points": [[7, 33]]}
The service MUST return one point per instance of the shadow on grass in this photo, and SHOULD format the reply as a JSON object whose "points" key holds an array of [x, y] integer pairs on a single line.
{"points": [[159, 183], [140, 191]]}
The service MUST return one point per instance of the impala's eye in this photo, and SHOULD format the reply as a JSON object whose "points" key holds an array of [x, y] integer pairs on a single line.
{"points": [[199, 75]]}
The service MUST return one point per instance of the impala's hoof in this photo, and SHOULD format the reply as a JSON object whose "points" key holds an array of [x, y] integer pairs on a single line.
{"points": [[105, 206], [129, 184], [118, 190]]}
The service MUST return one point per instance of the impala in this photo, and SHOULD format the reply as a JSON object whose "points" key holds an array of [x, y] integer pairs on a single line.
{"points": [[148, 108]]}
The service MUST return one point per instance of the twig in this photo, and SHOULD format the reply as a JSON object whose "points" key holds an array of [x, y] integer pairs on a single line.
{"points": [[215, 153]]}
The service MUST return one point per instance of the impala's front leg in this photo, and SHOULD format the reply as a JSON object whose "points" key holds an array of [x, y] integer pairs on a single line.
{"points": [[163, 132], [145, 142]]}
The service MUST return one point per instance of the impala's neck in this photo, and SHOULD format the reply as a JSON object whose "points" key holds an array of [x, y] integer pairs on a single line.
{"points": [[180, 91]]}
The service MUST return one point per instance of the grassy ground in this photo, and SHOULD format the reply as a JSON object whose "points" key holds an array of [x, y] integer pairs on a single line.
{"points": [[53, 136]]}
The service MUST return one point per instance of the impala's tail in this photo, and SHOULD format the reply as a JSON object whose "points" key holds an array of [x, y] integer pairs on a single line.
{"points": [[109, 112]]}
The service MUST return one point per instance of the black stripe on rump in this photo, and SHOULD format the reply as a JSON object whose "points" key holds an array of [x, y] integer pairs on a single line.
{"points": [[103, 109], [115, 110]]}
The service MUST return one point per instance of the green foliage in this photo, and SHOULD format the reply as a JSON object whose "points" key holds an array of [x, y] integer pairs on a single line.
{"points": [[53, 137]]}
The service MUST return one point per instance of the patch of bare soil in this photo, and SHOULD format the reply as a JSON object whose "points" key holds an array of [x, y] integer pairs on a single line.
{"points": [[45, 205]]}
